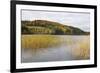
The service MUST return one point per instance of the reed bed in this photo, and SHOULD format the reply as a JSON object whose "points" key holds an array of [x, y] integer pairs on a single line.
{"points": [[39, 41], [81, 49]]}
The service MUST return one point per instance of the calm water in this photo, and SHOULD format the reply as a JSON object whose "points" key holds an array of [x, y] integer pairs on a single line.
{"points": [[68, 50]]}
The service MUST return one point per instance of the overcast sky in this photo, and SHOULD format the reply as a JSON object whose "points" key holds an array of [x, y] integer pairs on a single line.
{"points": [[80, 20]]}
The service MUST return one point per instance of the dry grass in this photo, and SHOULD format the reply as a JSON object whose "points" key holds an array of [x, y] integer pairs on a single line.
{"points": [[81, 49], [39, 41]]}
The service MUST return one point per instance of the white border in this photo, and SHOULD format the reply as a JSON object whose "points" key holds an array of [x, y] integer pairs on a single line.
{"points": [[20, 65]]}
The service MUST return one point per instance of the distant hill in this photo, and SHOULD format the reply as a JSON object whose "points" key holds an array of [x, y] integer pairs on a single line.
{"points": [[49, 27]]}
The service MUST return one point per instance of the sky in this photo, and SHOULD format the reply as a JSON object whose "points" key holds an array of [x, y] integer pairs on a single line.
{"points": [[76, 19]]}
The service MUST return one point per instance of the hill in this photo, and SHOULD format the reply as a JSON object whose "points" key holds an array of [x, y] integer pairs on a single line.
{"points": [[49, 27]]}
